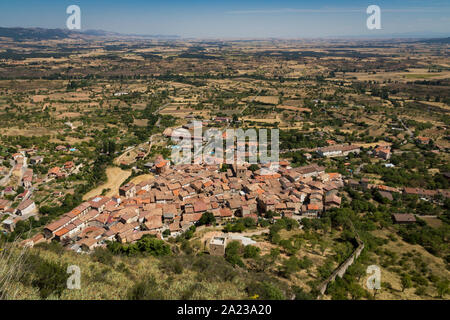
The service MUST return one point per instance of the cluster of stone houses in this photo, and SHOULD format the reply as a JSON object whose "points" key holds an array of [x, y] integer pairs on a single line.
{"points": [[27, 178], [383, 152], [26, 207], [178, 196], [423, 140], [61, 172], [36, 160], [19, 164], [387, 191], [427, 194]]}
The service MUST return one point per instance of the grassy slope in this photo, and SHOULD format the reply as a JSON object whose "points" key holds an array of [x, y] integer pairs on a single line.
{"points": [[114, 277]]}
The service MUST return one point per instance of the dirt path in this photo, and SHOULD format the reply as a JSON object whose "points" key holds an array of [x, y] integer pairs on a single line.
{"points": [[132, 150], [119, 159], [218, 232], [115, 178]]}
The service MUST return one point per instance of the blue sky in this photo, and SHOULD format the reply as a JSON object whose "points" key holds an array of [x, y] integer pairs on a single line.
{"points": [[234, 19]]}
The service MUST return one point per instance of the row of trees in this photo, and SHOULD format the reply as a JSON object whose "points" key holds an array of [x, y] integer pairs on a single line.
{"points": [[148, 244]]}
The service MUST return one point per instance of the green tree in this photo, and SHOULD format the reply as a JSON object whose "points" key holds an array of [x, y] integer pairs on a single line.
{"points": [[232, 253], [207, 219], [153, 246], [251, 252]]}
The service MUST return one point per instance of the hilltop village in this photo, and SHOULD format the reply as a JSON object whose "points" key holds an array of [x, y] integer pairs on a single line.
{"points": [[89, 127], [178, 196]]}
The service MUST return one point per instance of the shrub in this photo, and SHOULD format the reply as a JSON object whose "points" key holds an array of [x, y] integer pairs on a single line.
{"points": [[186, 247], [288, 247], [290, 266], [265, 291], [232, 253], [305, 263], [146, 289], [103, 255], [173, 265], [48, 276], [213, 268], [101, 275], [443, 288], [420, 291], [301, 294], [121, 267], [53, 246], [264, 223], [251, 252], [406, 282]]}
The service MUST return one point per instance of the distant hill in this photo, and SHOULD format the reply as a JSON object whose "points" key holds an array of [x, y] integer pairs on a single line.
{"points": [[437, 40], [21, 34], [39, 34]]}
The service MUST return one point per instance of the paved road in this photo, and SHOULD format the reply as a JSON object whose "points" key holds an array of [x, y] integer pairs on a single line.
{"points": [[4, 181], [406, 128]]}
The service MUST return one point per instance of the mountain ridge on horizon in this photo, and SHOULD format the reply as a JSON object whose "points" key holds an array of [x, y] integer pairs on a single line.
{"points": [[40, 33]]}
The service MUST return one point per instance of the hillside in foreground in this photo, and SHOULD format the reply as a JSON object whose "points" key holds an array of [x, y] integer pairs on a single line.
{"points": [[181, 269]]}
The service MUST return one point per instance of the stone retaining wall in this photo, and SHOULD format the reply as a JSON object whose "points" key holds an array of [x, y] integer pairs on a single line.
{"points": [[340, 271]]}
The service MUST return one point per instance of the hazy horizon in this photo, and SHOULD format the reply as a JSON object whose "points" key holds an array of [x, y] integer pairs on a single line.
{"points": [[234, 19]]}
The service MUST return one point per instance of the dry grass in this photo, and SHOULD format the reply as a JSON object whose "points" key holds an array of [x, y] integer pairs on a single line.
{"points": [[432, 222], [114, 279], [141, 178], [116, 177], [12, 258], [436, 266]]}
